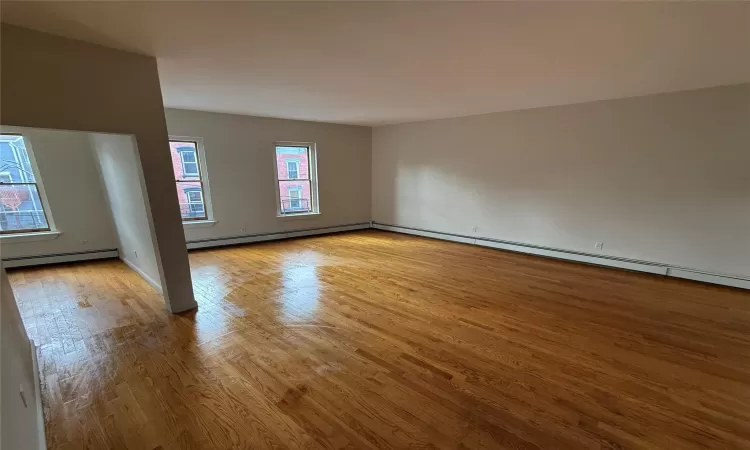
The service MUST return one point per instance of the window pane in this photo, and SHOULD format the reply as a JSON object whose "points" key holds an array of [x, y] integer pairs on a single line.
{"points": [[292, 170], [298, 157], [14, 161], [190, 170], [184, 160], [190, 197], [295, 196], [21, 208]]}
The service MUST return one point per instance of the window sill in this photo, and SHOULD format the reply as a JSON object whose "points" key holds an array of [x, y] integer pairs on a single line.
{"points": [[288, 216], [29, 237], [199, 224]]}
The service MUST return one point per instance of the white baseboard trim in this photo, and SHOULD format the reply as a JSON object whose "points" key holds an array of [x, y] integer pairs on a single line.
{"points": [[706, 277], [156, 285], [235, 240], [569, 255], [425, 233], [640, 266], [42, 438], [40, 260]]}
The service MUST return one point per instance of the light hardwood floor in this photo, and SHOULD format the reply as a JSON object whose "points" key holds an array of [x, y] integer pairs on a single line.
{"points": [[375, 340]]}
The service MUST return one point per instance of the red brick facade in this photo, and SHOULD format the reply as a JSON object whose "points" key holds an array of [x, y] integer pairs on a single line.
{"points": [[187, 211]]}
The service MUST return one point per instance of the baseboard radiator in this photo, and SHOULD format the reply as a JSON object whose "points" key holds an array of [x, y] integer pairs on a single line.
{"points": [[260, 237], [520, 247], [569, 255], [57, 258]]}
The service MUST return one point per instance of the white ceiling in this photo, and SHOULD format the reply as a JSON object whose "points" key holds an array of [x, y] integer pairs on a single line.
{"points": [[377, 63]]}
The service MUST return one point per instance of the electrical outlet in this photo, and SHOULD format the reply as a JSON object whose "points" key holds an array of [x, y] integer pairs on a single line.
{"points": [[599, 245], [244, 230], [135, 252], [84, 241], [474, 229]]}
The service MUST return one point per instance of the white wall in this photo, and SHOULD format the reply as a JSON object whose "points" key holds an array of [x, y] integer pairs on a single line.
{"points": [[71, 181], [21, 427], [121, 176], [57, 83], [663, 178], [240, 163]]}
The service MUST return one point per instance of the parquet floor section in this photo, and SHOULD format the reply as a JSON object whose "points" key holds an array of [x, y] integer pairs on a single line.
{"points": [[373, 340]]}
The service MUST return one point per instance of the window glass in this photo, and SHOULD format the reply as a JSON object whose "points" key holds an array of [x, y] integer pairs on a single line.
{"points": [[189, 179], [292, 170], [21, 207], [296, 182]]}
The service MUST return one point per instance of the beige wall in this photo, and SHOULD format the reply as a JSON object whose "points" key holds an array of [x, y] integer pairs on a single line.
{"points": [[117, 157], [20, 425], [663, 178], [240, 163], [74, 191], [58, 83]]}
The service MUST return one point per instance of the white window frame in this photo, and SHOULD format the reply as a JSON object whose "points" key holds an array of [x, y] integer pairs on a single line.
{"points": [[203, 175], [196, 162], [296, 169], [312, 169], [51, 229], [200, 201], [298, 198]]}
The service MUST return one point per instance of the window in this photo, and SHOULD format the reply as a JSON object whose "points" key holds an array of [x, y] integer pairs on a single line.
{"points": [[292, 169], [295, 198], [195, 201], [190, 178], [189, 161], [296, 177], [21, 206]]}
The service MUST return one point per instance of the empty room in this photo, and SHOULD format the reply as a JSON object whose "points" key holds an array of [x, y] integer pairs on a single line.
{"points": [[374, 225]]}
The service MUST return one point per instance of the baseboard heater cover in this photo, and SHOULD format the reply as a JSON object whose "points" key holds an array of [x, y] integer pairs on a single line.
{"points": [[56, 258], [272, 236], [571, 255]]}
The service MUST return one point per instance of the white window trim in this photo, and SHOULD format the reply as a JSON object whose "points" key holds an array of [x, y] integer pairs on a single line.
{"points": [[312, 168], [53, 231], [295, 162], [198, 224], [203, 170], [195, 191], [201, 201], [17, 238], [298, 191], [183, 162]]}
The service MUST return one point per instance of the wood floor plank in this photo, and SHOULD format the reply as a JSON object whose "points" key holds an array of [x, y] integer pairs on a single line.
{"points": [[374, 340]]}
